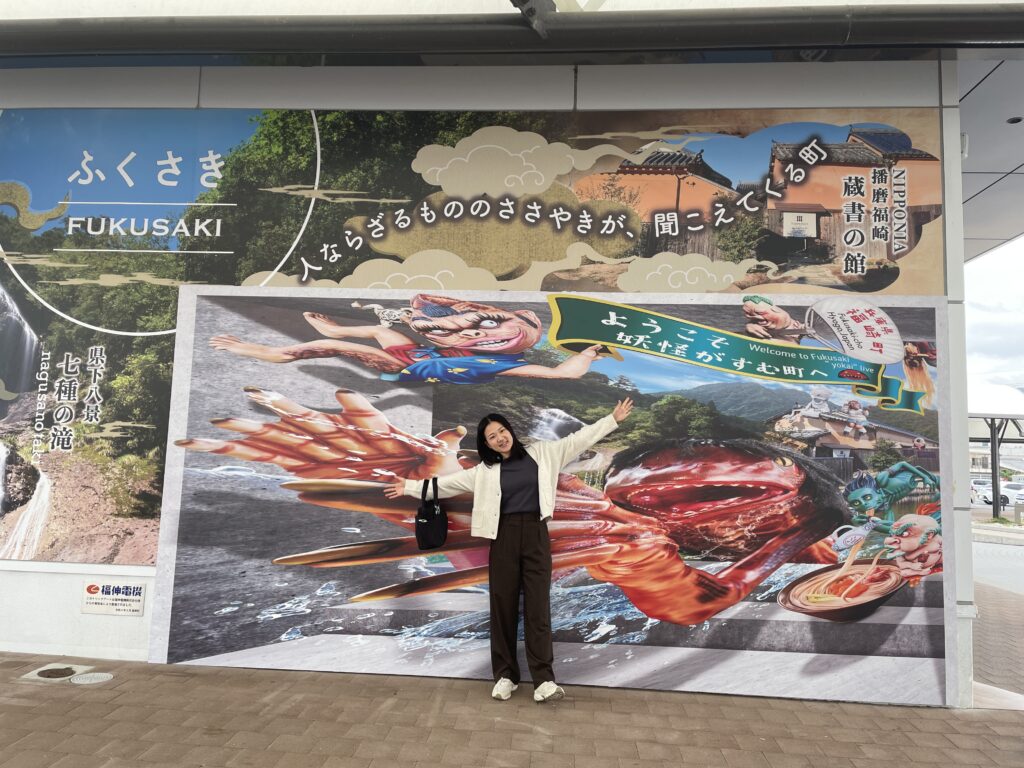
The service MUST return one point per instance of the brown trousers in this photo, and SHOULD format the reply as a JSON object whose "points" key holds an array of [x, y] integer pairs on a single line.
{"points": [[521, 561]]}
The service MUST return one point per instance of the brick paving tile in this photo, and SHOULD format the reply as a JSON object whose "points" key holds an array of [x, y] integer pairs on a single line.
{"points": [[1007, 758], [463, 755], [445, 736], [599, 762], [168, 733], [1006, 742], [368, 731], [968, 757], [34, 759], [615, 748], [797, 747], [249, 740], [81, 761], [742, 759], [287, 742], [571, 745], [504, 758], [491, 740], [416, 753], [202, 755], [163, 753], [706, 756], [10, 735], [79, 744], [346, 762], [255, 758], [753, 743], [41, 741], [86, 726], [651, 750], [537, 743], [342, 747], [550, 760], [841, 749], [378, 749]]}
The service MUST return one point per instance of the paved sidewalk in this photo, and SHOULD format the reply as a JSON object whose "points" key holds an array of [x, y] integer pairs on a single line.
{"points": [[999, 638], [154, 716], [998, 534]]}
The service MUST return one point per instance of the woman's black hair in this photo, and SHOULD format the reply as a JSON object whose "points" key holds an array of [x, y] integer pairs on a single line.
{"points": [[487, 454]]}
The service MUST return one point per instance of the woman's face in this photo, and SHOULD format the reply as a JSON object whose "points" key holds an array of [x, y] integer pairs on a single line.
{"points": [[498, 438]]}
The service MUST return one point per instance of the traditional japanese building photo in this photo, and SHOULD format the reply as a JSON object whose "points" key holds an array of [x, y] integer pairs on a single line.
{"points": [[671, 191], [846, 437], [863, 205]]}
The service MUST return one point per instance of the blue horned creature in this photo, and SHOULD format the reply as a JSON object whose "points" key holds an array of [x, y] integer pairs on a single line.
{"points": [[873, 496]]}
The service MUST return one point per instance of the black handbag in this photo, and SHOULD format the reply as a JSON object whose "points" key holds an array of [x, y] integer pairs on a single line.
{"points": [[431, 520]]}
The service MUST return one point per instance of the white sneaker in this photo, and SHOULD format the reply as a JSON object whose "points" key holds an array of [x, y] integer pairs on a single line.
{"points": [[548, 691], [503, 689]]}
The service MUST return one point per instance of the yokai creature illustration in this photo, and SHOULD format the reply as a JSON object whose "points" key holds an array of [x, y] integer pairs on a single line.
{"points": [[742, 500], [856, 416], [873, 496], [818, 406], [470, 343], [917, 356], [917, 542], [767, 321]]}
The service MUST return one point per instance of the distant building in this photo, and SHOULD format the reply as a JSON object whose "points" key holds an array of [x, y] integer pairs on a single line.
{"points": [[663, 181], [901, 182], [829, 432]]}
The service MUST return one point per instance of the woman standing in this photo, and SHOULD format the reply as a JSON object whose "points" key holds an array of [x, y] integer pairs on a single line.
{"points": [[513, 498]]}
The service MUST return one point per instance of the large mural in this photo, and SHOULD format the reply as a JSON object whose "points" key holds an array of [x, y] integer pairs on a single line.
{"points": [[104, 214], [773, 502]]}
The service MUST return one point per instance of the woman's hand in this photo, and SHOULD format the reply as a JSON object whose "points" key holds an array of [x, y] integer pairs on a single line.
{"points": [[395, 490], [623, 409]]}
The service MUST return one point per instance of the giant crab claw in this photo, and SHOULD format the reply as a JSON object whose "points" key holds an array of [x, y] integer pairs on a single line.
{"points": [[588, 530]]}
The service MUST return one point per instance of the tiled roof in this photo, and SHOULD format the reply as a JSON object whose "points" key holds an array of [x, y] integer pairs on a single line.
{"points": [[680, 161], [894, 145], [871, 147], [838, 154]]}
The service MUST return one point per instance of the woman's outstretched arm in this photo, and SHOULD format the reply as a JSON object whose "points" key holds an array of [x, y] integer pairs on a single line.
{"points": [[573, 445]]}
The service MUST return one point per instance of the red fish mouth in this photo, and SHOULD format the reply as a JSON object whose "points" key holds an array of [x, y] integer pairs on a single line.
{"points": [[688, 500]]}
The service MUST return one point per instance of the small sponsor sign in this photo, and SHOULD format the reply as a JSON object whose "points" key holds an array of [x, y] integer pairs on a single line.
{"points": [[113, 598]]}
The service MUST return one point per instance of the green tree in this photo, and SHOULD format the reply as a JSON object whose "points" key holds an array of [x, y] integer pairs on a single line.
{"points": [[365, 152], [886, 454], [739, 240], [679, 417]]}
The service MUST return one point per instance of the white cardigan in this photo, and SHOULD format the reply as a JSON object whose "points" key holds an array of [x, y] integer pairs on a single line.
{"points": [[484, 482]]}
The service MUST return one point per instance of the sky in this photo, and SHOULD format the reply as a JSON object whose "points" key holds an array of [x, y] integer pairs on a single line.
{"points": [[41, 148], [995, 333], [746, 158]]}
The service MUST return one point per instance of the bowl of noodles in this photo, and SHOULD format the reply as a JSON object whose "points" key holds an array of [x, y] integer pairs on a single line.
{"points": [[843, 592]]}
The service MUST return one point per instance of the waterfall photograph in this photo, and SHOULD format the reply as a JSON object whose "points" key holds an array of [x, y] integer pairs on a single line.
{"points": [[80, 443]]}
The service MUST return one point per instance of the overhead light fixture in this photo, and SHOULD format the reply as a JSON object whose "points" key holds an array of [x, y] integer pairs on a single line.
{"points": [[1015, 120], [536, 12]]}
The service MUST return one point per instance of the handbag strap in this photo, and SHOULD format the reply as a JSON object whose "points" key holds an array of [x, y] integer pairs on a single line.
{"points": [[426, 485]]}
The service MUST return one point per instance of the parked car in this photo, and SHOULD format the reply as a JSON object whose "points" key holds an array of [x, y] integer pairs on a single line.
{"points": [[1005, 490]]}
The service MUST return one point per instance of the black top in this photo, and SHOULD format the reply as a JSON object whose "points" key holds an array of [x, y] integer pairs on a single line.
{"points": [[520, 491]]}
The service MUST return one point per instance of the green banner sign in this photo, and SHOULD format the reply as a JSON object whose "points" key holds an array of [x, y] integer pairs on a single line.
{"points": [[579, 322]]}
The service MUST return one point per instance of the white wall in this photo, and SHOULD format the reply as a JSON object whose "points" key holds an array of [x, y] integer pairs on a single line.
{"points": [[41, 611]]}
